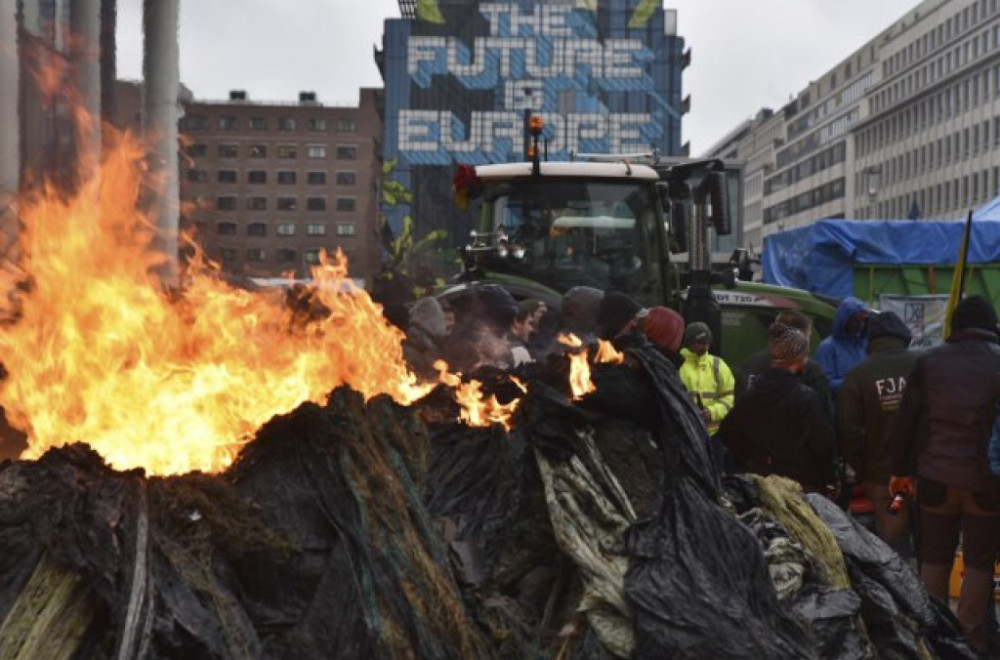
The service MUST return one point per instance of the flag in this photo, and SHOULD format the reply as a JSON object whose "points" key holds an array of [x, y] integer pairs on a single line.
{"points": [[958, 278], [643, 13], [428, 10]]}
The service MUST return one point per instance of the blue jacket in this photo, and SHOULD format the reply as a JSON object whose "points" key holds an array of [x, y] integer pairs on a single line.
{"points": [[993, 450], [840, 351]]}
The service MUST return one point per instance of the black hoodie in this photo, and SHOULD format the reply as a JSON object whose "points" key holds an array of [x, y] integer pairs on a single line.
{"points": [[780, 427]]}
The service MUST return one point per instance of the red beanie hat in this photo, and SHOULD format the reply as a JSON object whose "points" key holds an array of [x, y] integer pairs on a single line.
{"points": [[665, 328]]}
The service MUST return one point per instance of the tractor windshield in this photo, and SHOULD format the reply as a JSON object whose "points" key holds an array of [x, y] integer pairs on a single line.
{"points": [[570, 232]]}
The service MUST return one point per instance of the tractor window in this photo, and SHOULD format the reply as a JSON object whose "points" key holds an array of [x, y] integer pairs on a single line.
{"points": [[593, 233]]}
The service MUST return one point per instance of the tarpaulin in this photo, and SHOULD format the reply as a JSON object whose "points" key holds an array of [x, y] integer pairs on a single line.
{"points": [[821, 257]]}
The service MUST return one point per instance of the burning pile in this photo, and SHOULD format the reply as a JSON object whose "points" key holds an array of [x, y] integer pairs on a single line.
{"points": [[348, 527]]}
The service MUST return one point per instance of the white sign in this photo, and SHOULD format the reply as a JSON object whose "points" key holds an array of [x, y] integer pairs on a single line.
{"points": [[923, 315]]}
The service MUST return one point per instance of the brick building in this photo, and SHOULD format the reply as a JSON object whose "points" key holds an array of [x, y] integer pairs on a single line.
{"points": [[268, 185]]}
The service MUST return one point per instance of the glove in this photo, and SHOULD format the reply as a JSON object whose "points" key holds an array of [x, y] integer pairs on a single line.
{"points": [[905, 485]]}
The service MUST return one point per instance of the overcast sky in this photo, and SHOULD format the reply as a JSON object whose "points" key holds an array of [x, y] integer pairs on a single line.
{"points": [[747, 54]]}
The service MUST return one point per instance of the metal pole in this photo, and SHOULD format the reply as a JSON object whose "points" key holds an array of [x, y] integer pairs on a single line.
{"points": [[10, 129], [85, 50], [161, 65]]}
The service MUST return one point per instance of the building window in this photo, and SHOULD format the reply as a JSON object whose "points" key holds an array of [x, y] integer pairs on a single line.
{"points": [[256, 254], [227, 176], [287, 124], [346, 125], [316, 124], [287, 151], [286, 177], [346, 178], [285, 229], [287, 203], [347, 229], [316, 229], [227, 123], [257, 176], [256, 229], [258, 151], [285, 255], [195, 122], [196, 150], [311, 255], [257, 203], [228, 255], [347, 204], [316, 151], [226, 229], [197, 176], [315, 203], [316, 178], [228, 151], [225, 203], [347, 153], [258, 123]]}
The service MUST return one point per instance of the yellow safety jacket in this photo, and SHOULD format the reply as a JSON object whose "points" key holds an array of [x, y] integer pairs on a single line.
{"points": [[708, 377]]}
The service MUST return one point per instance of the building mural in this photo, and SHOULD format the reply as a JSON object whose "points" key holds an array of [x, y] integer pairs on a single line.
{"points": [[460, 76]]}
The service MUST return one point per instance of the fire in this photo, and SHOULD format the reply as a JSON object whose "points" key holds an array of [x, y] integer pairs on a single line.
{"points": [[476, 410], [607, 353], [100, 353], [579, 368]]}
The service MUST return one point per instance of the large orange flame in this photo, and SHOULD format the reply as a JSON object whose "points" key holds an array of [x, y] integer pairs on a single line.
{"points": [[580, 382], [101, 353], [579, 368], [476, 409]]}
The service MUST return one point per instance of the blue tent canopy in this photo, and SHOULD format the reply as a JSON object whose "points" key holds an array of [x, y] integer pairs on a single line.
{"points": [[821, 257]]}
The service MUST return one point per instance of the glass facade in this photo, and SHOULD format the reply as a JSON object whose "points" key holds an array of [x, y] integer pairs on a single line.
{"points": [[459, 81]]}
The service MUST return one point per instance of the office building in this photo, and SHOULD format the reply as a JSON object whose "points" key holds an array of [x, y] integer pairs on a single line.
{"points": [[907, 126], [461, 76], [268, 185]]}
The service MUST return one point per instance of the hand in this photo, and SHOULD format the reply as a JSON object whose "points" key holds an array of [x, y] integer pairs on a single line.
{"points": [[706, 415], [902, 485]]}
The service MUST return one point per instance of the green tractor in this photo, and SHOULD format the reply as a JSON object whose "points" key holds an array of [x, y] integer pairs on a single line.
{"points": [[545, 227]]}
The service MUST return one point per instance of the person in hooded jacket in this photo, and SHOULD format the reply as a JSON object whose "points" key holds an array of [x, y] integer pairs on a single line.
{"points": [[939, 453], [779, 426], [579, 312], [425, 332], [867, 405], [480, 338], [847, 344], [622, 390]]}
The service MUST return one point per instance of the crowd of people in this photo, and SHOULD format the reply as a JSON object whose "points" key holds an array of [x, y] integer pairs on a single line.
{"points": [[912, 436]]}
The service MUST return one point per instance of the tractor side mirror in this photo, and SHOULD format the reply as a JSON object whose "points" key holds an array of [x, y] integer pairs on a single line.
{"points": [[718, 195], [679, 195]]}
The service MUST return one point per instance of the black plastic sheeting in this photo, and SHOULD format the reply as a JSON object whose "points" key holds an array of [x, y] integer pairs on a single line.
{"points": [[898, 612], [315, 544], [698, 582], [353, 530]]}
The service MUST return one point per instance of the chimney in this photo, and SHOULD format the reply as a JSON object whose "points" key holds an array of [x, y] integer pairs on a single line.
{"points": [[238, 95], [307, 97]]}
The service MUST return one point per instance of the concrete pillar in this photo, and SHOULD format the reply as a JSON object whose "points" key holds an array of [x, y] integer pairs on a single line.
{"points": [[85, 53], [109, 48], [161, 70], [10, 128]]}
